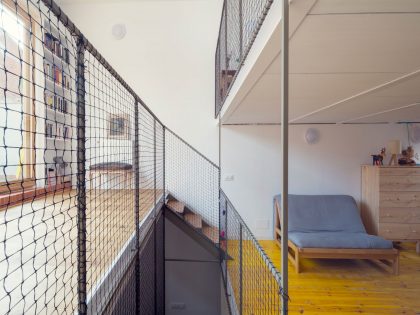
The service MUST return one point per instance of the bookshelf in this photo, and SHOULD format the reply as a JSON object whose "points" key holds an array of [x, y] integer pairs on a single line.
{"points": [[59, 122]]}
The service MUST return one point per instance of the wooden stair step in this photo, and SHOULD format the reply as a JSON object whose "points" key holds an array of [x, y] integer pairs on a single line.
{"points": [[194, 219], [212, 233], [176, 206]]}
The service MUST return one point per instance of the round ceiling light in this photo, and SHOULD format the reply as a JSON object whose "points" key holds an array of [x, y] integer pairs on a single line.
{"points": [[119, 31]]}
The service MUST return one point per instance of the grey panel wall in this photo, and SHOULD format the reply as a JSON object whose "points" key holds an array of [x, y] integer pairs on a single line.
{"points": [[192, 275]]}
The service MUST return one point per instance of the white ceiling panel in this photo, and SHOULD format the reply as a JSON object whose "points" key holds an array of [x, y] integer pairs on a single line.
{"points": [[406, 114], [343, 66], [403, 93], [365, 6], [356, 43], [310, 92]]}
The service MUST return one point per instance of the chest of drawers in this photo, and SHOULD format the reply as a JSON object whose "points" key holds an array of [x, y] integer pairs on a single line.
{"points": [[390, 204]]}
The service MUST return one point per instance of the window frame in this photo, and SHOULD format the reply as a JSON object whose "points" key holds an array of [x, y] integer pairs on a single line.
{"points": [[28, 180]]}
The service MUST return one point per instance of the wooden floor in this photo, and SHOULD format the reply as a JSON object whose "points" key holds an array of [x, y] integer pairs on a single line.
{"points": [[352, 287], [38, 240]]}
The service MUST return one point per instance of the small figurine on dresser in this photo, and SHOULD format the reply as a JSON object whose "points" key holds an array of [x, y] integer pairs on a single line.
{"points": [[407, 157], [378, 159]]}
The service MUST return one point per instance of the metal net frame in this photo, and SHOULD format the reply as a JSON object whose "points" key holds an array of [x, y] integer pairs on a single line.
{"points": [[240, 24], [81, 172], [252, 282]]}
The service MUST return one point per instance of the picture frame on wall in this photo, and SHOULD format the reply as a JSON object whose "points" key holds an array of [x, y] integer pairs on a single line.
{"points": [[118, 126]]}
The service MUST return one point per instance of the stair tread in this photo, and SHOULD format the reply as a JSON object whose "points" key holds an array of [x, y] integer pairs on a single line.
{"points": [[176, 206], [212, 233], [194, 219]]}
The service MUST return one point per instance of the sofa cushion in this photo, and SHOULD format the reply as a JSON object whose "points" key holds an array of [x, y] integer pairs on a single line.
{"points": [[338, 240], [324, 213]]}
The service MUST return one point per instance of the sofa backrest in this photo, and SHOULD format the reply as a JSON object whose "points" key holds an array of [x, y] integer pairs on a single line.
{"points": [[324, 213]]}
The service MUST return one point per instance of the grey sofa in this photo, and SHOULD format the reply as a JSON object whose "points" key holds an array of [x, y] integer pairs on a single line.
{"points": [[329, 226]]}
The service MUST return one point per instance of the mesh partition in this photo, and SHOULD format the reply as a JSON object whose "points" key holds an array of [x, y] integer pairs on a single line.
{"points": [[221, 64], [69, 204], [234, 36], [251, 280], [38, 258], [192, 179], [110, 193], [240, 23]]}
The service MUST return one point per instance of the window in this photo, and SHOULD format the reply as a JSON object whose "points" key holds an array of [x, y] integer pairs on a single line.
{"points": [[16, 114]]}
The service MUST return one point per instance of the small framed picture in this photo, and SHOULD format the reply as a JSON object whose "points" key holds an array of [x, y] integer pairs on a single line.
{"points": [[118, 126]]}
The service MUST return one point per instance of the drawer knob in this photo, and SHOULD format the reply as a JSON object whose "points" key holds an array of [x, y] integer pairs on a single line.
{"points": [[388, 215], [414, 231], [387, 231]]}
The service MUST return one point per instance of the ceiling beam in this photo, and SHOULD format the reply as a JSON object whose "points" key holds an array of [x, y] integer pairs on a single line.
{"points": [[364, 93], [380, 113]]}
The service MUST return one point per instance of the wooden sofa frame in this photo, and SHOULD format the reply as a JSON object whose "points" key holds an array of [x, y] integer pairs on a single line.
{"points": [[386, 258]]}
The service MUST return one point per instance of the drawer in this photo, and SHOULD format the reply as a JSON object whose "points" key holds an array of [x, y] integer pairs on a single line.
{"points": [[400, 171], [389, 199], [399, 215], [399, 183], [398, 231]]}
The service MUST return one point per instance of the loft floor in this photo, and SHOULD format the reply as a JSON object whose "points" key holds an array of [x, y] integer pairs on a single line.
{"points": [[352, 287]]}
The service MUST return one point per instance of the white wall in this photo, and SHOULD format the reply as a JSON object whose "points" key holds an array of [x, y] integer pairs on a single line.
{"points": [[167, 57], [332, 166]]}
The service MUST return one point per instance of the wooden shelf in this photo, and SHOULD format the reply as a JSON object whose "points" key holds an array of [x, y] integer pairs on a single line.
{"points": [[7, 200], [54, 55]]}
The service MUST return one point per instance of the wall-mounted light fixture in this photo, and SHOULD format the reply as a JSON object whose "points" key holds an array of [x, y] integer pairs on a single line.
{"points": [[119, 31], [312, 136]]}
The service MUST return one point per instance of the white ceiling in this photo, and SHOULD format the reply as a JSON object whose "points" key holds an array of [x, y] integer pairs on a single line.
{"points": [[350, 61]]}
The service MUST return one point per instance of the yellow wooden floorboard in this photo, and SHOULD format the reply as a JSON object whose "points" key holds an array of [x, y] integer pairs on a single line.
{"points": [[352, 287]]}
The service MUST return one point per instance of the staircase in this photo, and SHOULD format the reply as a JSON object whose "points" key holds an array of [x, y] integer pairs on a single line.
{"points": [[193, 219]]}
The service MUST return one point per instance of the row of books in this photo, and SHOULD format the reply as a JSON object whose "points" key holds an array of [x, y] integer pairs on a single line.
{"points": [[54, 45], [57, 131], [57, 75], [56, 103]]}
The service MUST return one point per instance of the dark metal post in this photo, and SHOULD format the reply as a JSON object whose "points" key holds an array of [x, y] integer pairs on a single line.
{"points": [[155, 219], [225, 83], [154, 164], [241, 32], [285, 154], [137, 202], [164, 164], [81, 178], [220, 181], [226, 240], [164, 219], [240, 270]]}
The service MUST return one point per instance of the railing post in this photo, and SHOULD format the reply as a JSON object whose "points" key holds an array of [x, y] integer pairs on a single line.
{"points": [[241, 33], [226, 240], [81, 178], [137, 202], [285, 155], [241, 262], [164, 163], [225, 79], [219, 178], [154, 221]]}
